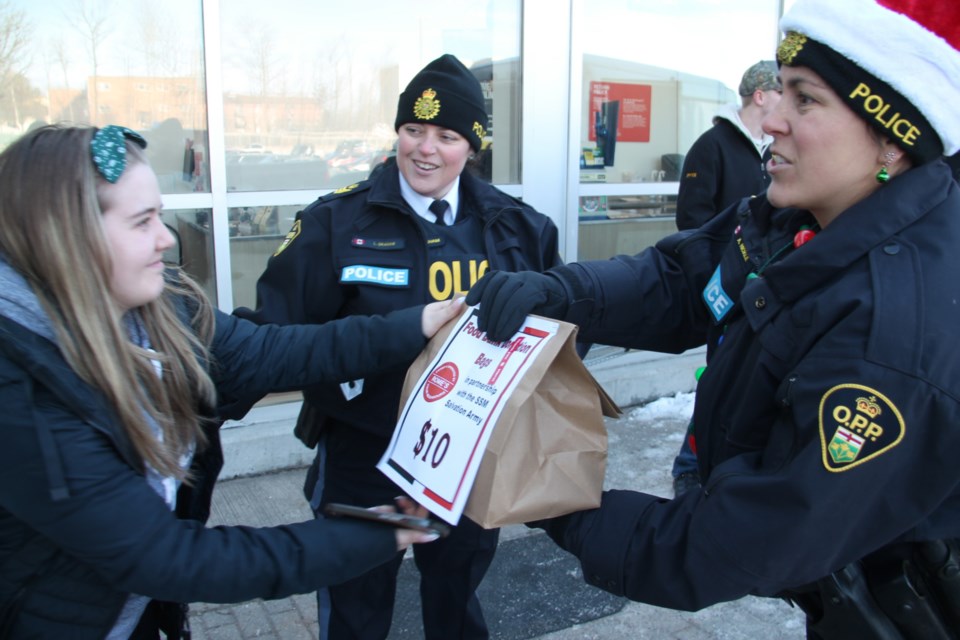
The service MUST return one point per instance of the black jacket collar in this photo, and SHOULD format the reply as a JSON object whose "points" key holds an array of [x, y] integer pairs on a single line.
{"points": [[861, 228]]}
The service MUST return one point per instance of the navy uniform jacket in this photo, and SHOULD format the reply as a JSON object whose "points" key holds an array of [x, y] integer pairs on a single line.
{"points": [[80, 528], [362, 250], [827, 421], [720, 168]]}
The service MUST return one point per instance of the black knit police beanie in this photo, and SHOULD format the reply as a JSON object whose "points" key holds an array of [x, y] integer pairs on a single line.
{"points": [[446, 94]]}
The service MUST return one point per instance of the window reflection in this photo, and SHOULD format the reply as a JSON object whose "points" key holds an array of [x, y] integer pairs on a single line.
{"points": [[194, 246], [97, 62], [308, 112], [638, 120], [255, 234], [651, 85]]}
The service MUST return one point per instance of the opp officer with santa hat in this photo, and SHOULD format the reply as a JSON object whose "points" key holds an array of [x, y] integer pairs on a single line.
{"points": [[828, 418]]}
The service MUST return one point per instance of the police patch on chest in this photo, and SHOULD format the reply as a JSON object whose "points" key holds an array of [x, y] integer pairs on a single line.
{"points": [[369, 274], [857, 424]]}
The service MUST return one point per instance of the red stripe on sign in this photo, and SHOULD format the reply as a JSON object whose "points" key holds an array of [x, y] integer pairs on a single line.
{"points": [[443, 503]]}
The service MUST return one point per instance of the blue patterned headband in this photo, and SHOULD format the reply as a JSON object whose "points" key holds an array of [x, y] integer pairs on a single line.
{"points": [[109, 150]]}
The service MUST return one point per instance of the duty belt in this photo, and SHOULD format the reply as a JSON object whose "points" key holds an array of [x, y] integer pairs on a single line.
{"points": [[902, 592]]}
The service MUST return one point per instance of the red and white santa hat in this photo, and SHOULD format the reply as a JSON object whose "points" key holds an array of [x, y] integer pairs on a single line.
{"points": [[896, 63]]}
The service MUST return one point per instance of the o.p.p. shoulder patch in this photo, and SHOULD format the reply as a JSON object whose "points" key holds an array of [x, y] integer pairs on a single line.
{"points": [[291, 236], [857, 424]]}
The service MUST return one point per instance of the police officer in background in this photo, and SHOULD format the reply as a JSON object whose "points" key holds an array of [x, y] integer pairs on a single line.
{"points": [[728, 161], [421, 229], [828, 418]]}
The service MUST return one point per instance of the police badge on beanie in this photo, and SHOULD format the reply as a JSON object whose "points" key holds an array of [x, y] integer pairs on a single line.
{"points": [[447, 95], [899, 70]]}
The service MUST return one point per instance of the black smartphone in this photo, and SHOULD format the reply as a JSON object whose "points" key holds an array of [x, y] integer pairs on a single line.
{"points": [[396, 519]]}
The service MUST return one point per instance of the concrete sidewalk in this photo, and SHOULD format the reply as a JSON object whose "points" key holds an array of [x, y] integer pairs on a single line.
{"points": [[533, 590]]}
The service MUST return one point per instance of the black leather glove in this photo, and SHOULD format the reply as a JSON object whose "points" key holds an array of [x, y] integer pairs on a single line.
{"points": [[506, 299]]}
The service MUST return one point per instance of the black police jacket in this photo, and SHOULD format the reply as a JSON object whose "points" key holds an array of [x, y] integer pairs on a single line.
{"points": [[828, 419], [369, 227], [721, 167]]}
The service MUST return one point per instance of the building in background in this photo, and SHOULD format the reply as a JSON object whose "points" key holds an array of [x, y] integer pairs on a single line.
{"points": [[252, 109]]}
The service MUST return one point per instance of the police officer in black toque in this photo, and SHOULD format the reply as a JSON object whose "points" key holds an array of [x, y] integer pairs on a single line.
{"points": [[420, 229]]}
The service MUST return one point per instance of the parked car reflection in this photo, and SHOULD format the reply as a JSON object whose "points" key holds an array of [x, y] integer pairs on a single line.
{"points": [[256, 168]]}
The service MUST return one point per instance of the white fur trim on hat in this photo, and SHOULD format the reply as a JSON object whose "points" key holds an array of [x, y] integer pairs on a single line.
{"points": [[919, 64]]}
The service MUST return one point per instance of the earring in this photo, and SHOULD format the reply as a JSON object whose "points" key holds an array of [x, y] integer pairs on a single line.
{"points": [[883, 176]]}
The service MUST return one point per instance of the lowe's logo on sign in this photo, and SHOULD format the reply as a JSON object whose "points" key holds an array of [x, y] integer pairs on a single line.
{"points": [[375, 275], [716, 298]]}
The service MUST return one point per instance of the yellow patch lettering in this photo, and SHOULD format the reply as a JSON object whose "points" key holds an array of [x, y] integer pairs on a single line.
{"points": [[841, 415], [441, 281], [910, 136], [875, 105], [857, 424], [455, 278], [873, 431], [861, 90]]}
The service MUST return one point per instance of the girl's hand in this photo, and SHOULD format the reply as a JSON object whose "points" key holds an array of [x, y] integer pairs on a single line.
{"points": [[437, 314], [406, 537]]}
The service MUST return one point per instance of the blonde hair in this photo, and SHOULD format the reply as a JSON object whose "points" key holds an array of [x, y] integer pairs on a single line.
{"points": [[51, 232]]}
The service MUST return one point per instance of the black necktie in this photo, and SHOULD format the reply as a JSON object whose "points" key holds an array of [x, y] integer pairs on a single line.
{"points": [[438, 208]]}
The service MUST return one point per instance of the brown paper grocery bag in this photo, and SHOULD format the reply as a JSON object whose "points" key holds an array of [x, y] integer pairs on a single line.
{"points": [[547, 454]]}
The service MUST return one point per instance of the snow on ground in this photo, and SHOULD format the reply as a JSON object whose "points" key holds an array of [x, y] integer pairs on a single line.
{"points": [[643, 443], [679, 406]]}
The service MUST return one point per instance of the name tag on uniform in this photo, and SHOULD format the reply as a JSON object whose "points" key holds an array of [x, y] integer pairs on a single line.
{"points": [[375, 275], [718, 302], [379, 244]]}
